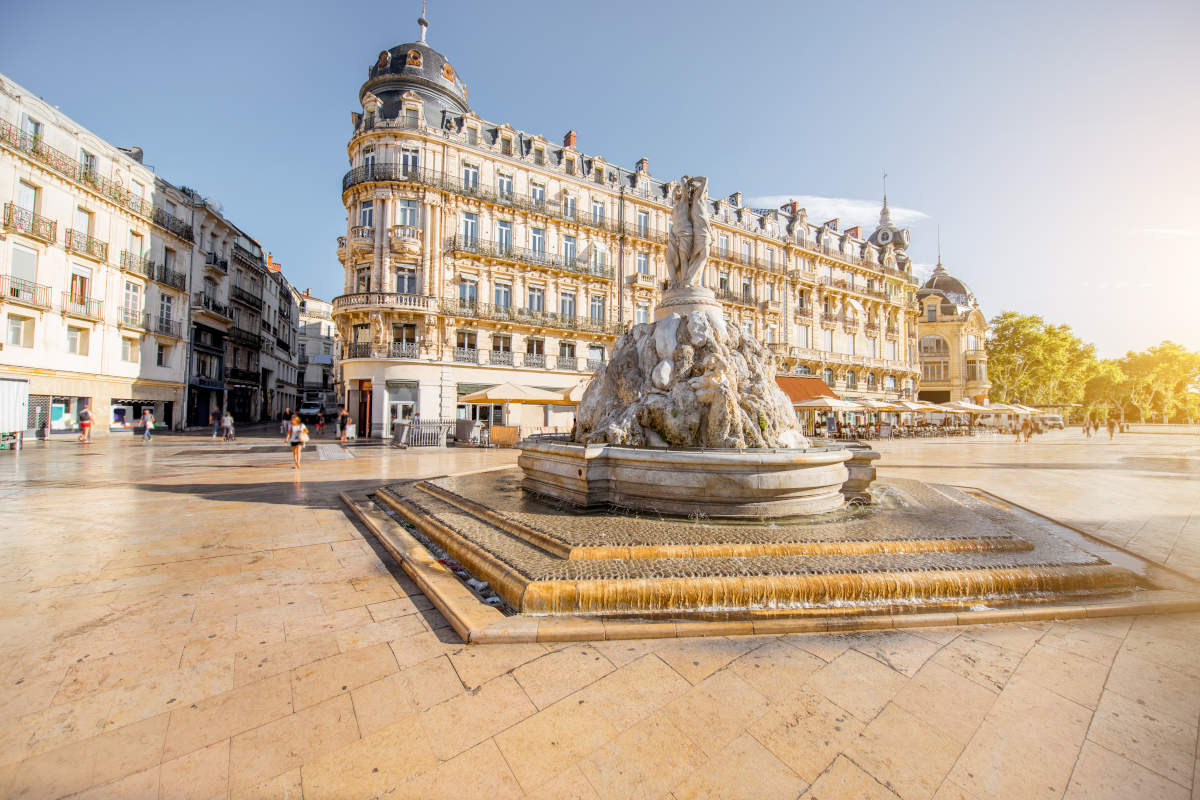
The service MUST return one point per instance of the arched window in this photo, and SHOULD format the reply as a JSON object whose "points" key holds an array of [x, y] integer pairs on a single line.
{"points": [[851, 380], [889, 383], [870, 380], [828, 376]]}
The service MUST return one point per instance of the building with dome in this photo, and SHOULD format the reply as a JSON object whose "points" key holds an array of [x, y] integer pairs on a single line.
{"points": [[952, 332], [477, 254]]}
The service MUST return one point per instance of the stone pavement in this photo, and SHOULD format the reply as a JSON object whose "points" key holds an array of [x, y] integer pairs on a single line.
{"points": [[193, 619]]}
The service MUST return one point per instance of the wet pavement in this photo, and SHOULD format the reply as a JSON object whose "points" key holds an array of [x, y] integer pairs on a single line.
{"points": [[192, 618]]}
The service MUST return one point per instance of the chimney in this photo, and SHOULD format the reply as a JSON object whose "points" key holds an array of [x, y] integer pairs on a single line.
{"points": [[735, 199], [643, 166], [570, 139], [832, 224], [856, 231], [134, 152], [791, 207]]}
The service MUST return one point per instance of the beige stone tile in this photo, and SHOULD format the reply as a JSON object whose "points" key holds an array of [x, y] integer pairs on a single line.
{"points": [[635, 691], [227, 714], [320, 680], [1158, 742], [378, 632], [717, 710], [946, 701], [1014, 636], [286, 786], [1074, 677], [468, 719], [269, 750], [844, 779], [370, 766], [745, 770], [777, 669], [950, 790], [826, 647], [108, 672], [1163, 689], [903, 652], [1088, 638], [808, 734], [170, 690], [558, 674], [479, 664], [569, 784], [1167, 640], [261, 662], [1028, 726], [905, 754], [698, 657], [479, 772], [200, 775], [987, 664], [91, 762], [857, 683], [304, 627], [625, 651], [546, 744], [644, 761], [382, 702], [422, 646], [57, 726], [142, 784], [1102, 773]]}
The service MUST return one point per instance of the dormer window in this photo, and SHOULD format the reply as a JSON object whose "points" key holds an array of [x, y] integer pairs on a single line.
{"points": [[472, 134], [539, 156], [414, 58], [448, 72], [506, 146], [599, 175], [570, 167]]}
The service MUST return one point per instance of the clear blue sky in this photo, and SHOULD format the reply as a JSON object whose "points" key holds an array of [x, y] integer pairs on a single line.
{"points": [[1055, 143]]}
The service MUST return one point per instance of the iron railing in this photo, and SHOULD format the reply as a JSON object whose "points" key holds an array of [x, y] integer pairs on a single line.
{"points": [[245, 338], [169, 277], [167, 327], [140, 265], [133, 317], [358, 350], [90, 246], [213, 260], [242, 375], [25, 221], [466, 355], [404, 350], [501, 357], [520, 255], [527, 316], [84, 307], [535, 360], [246, 257], [23, 291], [246, 297], [173, 224], [730, 296], [283, 344], [206, 302]]}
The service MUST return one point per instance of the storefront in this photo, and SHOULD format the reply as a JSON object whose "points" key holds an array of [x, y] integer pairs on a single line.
{"points": [[127, 414]]}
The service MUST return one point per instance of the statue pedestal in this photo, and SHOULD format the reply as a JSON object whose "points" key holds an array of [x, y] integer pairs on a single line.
{"points": [[686, 299]]}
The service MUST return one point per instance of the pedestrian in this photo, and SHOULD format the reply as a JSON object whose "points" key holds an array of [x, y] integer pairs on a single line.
{"points": [[284, 419], [147, 425], [320, 423], [1087, 428], [85, 423], [343, 424], [214, 419], [1017, 429], [1112, 428], [1027, 428], [227, 427], [296, 436]]}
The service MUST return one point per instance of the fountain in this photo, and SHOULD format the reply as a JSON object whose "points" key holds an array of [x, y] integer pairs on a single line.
{"points": [[688, 502]]}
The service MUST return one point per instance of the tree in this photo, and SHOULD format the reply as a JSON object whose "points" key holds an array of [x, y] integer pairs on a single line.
{"points": [[1032, 362], [1160, 380], [1108, 388]]}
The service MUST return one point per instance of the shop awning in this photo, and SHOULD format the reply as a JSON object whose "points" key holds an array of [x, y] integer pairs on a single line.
{"points": [[800, 389]]}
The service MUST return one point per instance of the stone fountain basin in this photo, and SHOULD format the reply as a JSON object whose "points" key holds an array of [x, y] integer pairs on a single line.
{"points": [[733, 484]]}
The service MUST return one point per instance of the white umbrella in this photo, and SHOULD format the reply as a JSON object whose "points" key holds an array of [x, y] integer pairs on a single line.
{"points": [[512, 393], [828, 404]]}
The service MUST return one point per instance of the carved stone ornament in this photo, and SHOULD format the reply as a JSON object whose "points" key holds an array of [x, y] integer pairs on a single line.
{"points": [[385, 59]]}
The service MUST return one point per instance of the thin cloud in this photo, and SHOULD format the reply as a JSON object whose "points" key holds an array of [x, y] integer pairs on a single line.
{"points": [[848, 210], [1171, 233], [922, 271]]}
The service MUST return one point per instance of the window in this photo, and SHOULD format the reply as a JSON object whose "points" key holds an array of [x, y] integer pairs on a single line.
{"points": [[596, 308], [170, 208], [465, 340], [410, 160], [502, 294], [406, 280], [130, 351], [20, 331], [566, 304], [470, 227], [407, 213], [851, 380], [506, 146], [468, 292], [747, 328], [81, 279], [31, 126], [504, 185], [770, 334], [570, 166], [931, 312], [643, 263], [166, 307], [135, 245], [802, 336], [539, 156], [892, 351], [599, 256], [27, 196], [642, 314], [934, 370], [566, 349], [472, 135], [724, 245], [747, 289], [538, 192], [133, 296], [827, 375], [643, 224], [569, 249], [503, 236], [501, 343], [470, 176], [569, 206], [829, 341], [368, 158], [362, 278], [597, 211], [537, 240], [537, 298], [366, 214], [87, 165], [535, 347], [24, 269], [162, 357], [595, 353], [850, 343], [723, 281], [405, 333], [770, 259], [889, 383], [872, 348], [871, 380], [934, 346], [745, 252]]}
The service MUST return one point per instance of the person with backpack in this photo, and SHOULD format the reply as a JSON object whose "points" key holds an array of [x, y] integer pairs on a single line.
{"points": [[85, 423]]}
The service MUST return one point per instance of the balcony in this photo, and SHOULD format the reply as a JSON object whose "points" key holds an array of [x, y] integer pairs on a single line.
{"points": [[133, 318], [773, 267], [82, 243], [594, 364], [169, 277], [771, 306], [405, 239], [644, 232], [362, 239], [499, 251], [466, 355], [404, 350], [283, 344], [16, 290], [22, 220], [165, 326], [730, 296], [246, 297], [206, 303], [245, 338], [137, 264], [246, 257], [397, 300], [170, 223], [504, 357], [803, 314], [358, 350], [641, 280], [82, 307], [239, 375], [977, 354], [527, 316], [214, 262], [535, 360], [893, 331], [341, 249]]}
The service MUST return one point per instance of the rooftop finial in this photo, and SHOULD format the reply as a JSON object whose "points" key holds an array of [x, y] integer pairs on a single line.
{"points": [[939, 264], [885, 216], [424, 23]]}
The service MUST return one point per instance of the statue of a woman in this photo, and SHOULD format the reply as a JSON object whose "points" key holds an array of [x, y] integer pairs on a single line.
{"points": [[687, 246]]}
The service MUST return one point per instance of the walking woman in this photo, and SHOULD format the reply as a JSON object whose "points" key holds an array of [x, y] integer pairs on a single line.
{"points": [[297, 435]]}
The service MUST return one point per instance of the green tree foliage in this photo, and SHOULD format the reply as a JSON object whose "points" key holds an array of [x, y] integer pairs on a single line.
{"points": [[1161, 383], [1030, 361]]}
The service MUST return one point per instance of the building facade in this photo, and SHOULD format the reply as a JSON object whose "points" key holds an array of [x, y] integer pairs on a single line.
{"points": [[476, 253], [280, 349], [952, 332], [318, 355], [93, 273]]}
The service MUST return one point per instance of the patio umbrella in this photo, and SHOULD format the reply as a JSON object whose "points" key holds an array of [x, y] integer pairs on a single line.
{"points": [[967, 405], [828, 404], [574, 394], [513, 393], [882, 405]]}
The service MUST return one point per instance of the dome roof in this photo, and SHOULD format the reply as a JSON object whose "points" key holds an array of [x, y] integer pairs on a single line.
{"points": [[416, 67], [943, 283]]}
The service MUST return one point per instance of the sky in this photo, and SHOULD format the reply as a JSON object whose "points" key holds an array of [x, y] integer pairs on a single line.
{"points": [[1053, 144]]}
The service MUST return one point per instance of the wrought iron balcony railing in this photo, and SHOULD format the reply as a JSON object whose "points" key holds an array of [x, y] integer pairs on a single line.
{"points": [[206, 302], [283, 344], [246, 257], [90, 246], [25, 221], [246, 297], [730, 296], [213, 260], [169, 277], [242, 375], [167, 327], [244, 338], [133, 318], [521, 255], [137, 264], [17, 290], [171, 223], [83, 307], [404, 350], [547, 319], [466, 355]]}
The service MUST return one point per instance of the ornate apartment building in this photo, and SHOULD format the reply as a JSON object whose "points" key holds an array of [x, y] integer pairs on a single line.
{"points": [[952, 333], [318, 357], [476, 254]]}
